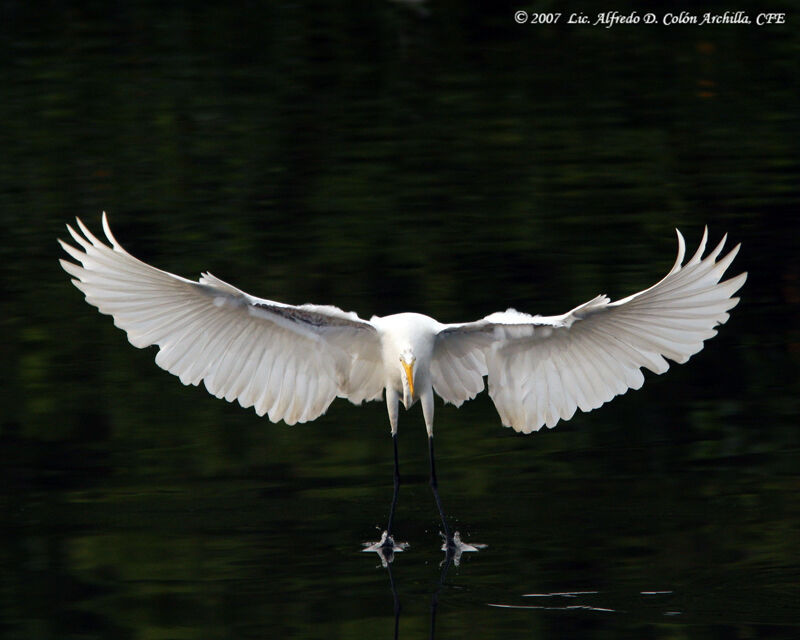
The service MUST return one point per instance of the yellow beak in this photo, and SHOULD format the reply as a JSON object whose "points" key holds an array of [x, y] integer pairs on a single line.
{"points": [[409, 377]]}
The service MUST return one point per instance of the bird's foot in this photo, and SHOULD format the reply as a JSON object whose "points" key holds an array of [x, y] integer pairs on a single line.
{"points": [[386, 547], [453, 547]]}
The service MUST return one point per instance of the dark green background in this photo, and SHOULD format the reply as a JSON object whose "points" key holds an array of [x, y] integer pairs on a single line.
{"points": [[386, 157]]}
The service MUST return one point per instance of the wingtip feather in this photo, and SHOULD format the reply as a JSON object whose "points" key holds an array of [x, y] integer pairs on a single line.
{"points": [[75, 253], [699, 253], [107, 230], [681, 252], [712, 257], [70, 267], [77, 237], [92, 238]]}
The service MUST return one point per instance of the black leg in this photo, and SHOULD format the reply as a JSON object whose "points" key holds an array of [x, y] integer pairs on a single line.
{"points": [[396, 486], [435, 488]]}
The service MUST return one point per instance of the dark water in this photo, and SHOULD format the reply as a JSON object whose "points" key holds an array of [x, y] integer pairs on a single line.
{"points": [[387, 157]]}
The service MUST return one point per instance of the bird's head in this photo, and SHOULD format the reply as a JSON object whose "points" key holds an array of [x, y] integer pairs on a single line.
{"points": [[407, 361]]}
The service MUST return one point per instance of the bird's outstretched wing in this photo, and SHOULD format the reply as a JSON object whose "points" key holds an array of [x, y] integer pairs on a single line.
{"points": [[287, 361], [541, 369]]}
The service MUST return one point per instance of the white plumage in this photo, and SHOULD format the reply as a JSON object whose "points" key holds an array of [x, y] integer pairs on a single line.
{"points": [[290, 362]]}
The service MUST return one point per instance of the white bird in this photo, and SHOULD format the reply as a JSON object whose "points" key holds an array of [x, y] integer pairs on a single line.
{"points": [[290, 362]]}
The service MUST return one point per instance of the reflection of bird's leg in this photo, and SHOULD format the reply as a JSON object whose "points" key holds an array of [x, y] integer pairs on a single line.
{"points": [[396, 599], [448, 558], [427, 412]]}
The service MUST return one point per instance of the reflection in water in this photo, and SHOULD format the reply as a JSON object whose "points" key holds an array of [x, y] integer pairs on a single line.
{"points": [[555, 600], [557, 596], [452, 547], [448, 559], [386, 547], [455, 547]]}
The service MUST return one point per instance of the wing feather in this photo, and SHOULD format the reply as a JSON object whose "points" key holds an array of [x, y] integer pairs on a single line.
{"points": [[287, 361], [542, 369]]}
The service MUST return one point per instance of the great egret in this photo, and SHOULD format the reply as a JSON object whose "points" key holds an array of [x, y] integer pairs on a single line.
{"points": [[290, 362]]}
